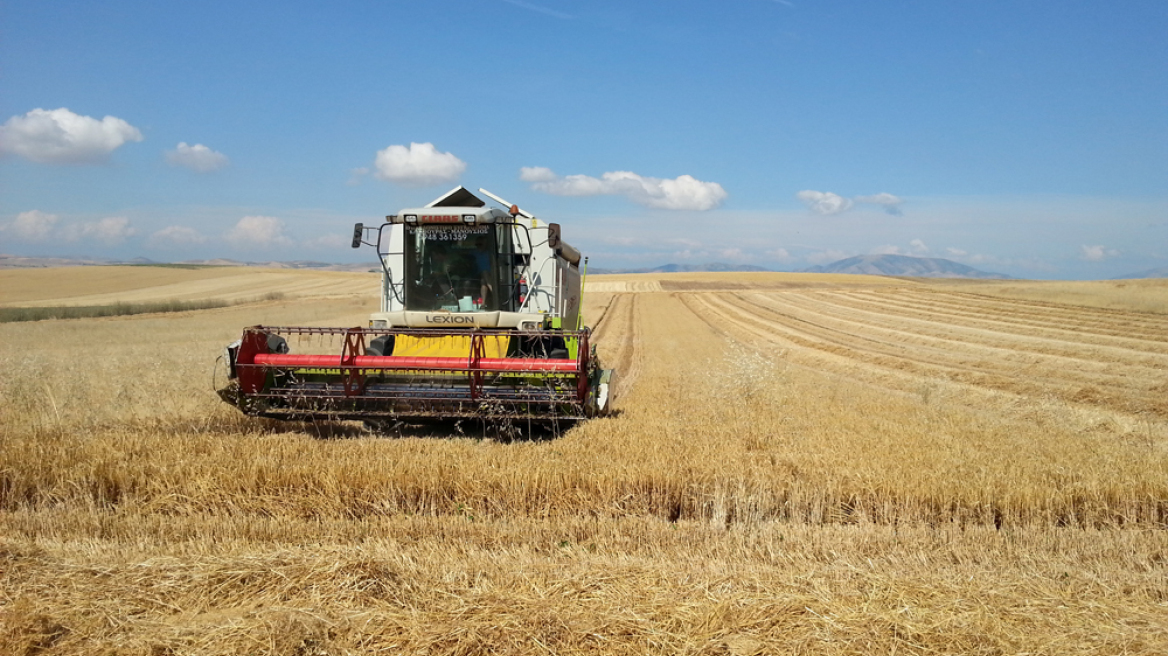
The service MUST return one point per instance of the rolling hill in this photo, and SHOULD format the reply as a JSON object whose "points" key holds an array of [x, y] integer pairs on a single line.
{"points": [[1161, 272], [904, 265]]}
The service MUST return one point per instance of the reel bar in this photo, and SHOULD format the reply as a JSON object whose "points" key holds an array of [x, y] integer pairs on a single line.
{"points": [[415, 332], [392, 363]]}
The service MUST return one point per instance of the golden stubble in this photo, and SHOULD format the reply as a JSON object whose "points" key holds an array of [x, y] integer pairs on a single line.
{"points": [[797, 465]]}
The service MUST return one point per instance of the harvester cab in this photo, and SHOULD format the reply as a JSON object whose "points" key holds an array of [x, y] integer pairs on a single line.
{"points": [[480, 317], [457, 262]]}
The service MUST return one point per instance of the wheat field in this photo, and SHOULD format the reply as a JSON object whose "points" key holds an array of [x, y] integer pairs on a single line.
{"points": [[799, 463]]}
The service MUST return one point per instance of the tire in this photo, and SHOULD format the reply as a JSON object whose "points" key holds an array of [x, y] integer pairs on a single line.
{"points": [[382, 345], [277, 344]]}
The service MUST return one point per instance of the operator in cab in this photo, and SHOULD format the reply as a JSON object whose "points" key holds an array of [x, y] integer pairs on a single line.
{"points": [[455, 273]]}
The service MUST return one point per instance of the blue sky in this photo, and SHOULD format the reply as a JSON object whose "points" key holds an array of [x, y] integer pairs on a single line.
{"points": [[1029, 138]]}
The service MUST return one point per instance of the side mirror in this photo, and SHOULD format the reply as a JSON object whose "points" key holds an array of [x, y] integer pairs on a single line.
{"points": [[358, 232], [553, 236]]}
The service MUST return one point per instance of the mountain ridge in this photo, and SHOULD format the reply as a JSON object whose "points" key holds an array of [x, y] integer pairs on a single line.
{"points": [[1159, 272], [905, 266]]}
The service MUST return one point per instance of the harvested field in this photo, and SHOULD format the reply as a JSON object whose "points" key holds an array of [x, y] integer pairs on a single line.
{"points": [[125, 284], [800, 464]]}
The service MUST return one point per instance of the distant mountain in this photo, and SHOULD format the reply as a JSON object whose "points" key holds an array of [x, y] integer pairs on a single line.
{"points": [[1162, 272], [22, 262], [684, 268], [904, 265]]}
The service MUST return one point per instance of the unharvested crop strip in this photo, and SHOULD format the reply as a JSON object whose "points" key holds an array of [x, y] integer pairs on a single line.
{"points": [[1107, 321], [1086, 322], [1119, 389], [947, 339], [816, 336], [617, 333]]}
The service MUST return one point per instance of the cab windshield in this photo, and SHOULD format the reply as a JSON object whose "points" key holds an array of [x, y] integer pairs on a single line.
{"points": [[451, 268]]}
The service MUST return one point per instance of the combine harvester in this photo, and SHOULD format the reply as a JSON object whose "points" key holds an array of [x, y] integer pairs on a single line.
{"points": [[480, 319]]}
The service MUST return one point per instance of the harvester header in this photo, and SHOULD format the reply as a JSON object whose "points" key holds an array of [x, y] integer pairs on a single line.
{"points": [[480, 317]]}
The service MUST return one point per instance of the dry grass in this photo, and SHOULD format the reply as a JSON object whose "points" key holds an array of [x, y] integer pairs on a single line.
{"points": [[1143, 295], [108, 285], [799, 466]]}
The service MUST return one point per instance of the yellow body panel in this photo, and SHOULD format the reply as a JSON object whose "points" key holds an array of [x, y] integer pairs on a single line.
{"points": [[448, 346]]}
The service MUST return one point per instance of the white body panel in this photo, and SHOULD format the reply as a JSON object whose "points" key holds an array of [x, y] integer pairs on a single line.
{"points": [[552, 281]]}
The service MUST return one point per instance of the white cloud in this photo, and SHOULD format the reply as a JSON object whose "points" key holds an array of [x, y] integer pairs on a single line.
{"points": [[174, 237], [196, 158], [33, 225], [916, 248], [824, 202], [681, 193], [890, 203], [780, 254], [61, 137], [826, 257], [38, 226], [258, 232], [680, 241], [733, 254], [418, 165], [573, 185], [109, 231], [536, 174], [972, 258], [1098, 253]]}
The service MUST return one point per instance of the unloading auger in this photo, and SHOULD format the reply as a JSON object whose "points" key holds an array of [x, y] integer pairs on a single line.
{"points": [[480, 318]]}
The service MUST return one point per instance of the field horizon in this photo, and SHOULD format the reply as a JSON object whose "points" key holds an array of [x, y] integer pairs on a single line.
{"points": [[799, 463]]}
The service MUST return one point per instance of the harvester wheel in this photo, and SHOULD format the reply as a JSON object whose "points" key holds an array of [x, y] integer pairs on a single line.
{"points": [[380, 346], [277, 344], [548, 346]]}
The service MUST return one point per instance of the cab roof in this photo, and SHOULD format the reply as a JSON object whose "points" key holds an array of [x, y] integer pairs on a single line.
{"points": [[458, 197]]}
